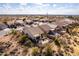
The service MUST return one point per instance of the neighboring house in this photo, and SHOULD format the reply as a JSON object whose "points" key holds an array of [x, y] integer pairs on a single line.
{"points": [[19, 23], [48, 28], [34, 25], [64, 22], [11, 24], [20, 29], [5, 31], [60, 30], [43, 20], [28, 22], [3, 26], [52, 25], [36, 19], [34, 33]]}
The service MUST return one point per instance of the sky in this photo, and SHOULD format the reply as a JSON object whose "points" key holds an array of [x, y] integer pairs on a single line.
{"points": [[40, 8]]}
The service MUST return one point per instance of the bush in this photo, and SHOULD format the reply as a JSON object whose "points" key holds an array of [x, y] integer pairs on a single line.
{"points": [[35, 51], [48, 51], [24, 40], [14, 32], [56, 41], [24, 37]]}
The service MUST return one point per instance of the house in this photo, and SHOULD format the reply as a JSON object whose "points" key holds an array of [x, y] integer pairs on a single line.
{"points": [[19, 23], [43, 20], [5, 31], [28, 22], [3, 26], [64, 22], [20, 29], [34, 25], [11, 24], [35, 33], [47, 27], [53, 26], [36, 19]]}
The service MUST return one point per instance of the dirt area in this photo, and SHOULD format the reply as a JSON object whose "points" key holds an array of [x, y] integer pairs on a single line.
{"points": [[19, 44]]}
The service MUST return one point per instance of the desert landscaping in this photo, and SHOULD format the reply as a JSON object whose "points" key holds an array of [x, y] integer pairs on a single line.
{"points": [[39, 35]]}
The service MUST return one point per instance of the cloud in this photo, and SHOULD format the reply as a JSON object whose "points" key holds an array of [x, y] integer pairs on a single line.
{"points": [[64, 12], [39, 8], [54, 5], [23, 4]]}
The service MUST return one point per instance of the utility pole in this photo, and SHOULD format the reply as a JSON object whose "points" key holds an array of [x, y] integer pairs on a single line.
{"points": [[47, 15]]}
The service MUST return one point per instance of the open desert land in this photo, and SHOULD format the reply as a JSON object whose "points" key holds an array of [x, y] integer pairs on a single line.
{"points": [[39, 35]]}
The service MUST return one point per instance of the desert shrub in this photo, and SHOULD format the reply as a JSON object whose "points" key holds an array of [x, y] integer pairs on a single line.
{"points": [[13, 31], [56, 41], [72, 29], [24, 40], [35, 51], [29, 43], [48, 50], [24, 37], [71, 17]]}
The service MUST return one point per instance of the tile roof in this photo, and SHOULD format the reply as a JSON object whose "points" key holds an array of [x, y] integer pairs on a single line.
{"points": [[33, 31]]}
